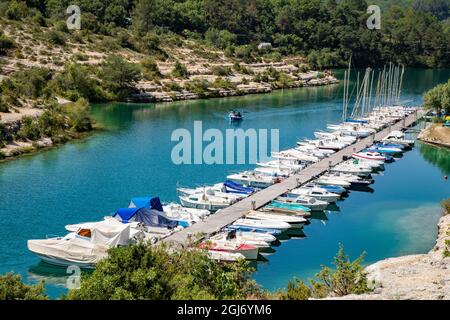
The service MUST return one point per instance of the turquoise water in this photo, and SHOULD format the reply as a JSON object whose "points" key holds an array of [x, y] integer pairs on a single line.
{"points": [[85, 180]]}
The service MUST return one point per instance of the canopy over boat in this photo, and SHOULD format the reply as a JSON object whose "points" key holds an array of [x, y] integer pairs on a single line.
{"points": [[146, 215], [236, 187], [146, 202]]}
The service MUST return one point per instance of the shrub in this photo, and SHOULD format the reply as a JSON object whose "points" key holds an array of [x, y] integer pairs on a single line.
{"points": [[144, 272], [56, 37], [29, 129], [221, 83], [12, 288], [6, 44], [348, 277], [221, 71], [78, 113], [180, 70], [172, 86], [198, 86], [220, 38], [296, 290], [75, 81], [17, 10], [150, 69], [244, 53]]}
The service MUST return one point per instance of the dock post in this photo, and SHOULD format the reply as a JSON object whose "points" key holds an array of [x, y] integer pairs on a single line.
{"points": [[253, 205]]}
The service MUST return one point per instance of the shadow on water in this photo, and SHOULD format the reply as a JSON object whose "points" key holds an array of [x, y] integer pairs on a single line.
{"points": [[333, 207], [437, 156], [50, 274], [319, 215], [362, 189]]}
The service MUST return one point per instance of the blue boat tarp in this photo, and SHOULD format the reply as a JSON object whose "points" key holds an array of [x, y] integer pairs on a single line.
{"points": [[148, 216], [237, 188], [146, 202]]}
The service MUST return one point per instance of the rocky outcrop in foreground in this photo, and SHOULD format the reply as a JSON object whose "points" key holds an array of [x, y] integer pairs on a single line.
{"points": [[415, 277]]}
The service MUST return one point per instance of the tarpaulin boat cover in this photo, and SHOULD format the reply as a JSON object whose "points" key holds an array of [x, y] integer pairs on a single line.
{"points": [[237, 187], [86, 251], [146, 202], [74, 250], [111, 233], [148, 216]]}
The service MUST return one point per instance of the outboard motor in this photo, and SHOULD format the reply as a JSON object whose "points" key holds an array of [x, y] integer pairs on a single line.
{"points": [[231, 235]]}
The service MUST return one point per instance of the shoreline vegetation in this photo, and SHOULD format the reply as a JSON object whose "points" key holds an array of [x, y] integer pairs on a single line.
{"points": [[437, 101], [165, 50], [145, 272]]}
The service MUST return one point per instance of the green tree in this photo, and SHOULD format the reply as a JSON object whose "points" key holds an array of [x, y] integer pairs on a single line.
{"points": [[180, 70], [78, 114], [348, 277], [119, 76], [145, 272], [12, 288], [438, 98], [6, 44]]}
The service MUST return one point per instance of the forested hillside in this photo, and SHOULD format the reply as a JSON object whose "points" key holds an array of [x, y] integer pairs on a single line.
{"points": [[326, 31]]}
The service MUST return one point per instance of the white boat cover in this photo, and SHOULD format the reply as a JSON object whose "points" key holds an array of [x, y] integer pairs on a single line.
{"points": [[82, 250], [76, 250]]}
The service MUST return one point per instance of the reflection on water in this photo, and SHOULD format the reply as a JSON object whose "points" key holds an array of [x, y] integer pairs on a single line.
{"points": [[440, 157]]}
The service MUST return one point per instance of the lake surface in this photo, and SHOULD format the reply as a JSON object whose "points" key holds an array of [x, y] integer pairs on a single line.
{"points": [[86, 180]]}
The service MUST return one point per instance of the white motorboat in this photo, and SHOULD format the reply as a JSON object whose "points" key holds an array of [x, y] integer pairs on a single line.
{"points": [[253, 179], [372, 156], [215, 191], [398, 137], [317, 193], [297, 155], [174, 210], [248, 251], [206, 202], [353, 179], [273, 216], [225, 256], [287, 165], [254, 236], [326, 144], [265, 224], [335, 136], [84, 248], [273, 172], [328, 181], [308, 202], [358, 170], [234, 237]]}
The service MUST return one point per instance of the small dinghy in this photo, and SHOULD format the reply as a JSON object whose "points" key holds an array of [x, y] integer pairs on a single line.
{"points": [[264, 224], [235, 116]]}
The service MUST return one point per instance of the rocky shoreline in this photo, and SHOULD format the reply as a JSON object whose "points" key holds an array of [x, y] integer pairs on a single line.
{"points": [[435, 134], [413, 277]]}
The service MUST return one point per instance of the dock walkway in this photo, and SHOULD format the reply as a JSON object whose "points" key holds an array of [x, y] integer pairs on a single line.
{"points": [[227, 216]]}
